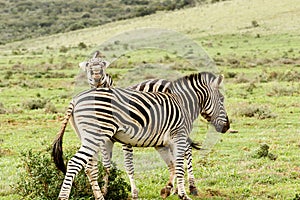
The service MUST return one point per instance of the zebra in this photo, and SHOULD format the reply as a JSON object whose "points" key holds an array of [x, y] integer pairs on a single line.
{"points": [[161, 120], [95, 69], [97, 78], [161, 85]]}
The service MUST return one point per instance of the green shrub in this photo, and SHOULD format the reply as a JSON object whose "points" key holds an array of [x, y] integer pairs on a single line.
{"points": [[297, 197], [63, 49], [34, 104], [253, 110], [279, 90], [50, 108], [76, 26], [8, 74], [82, 45], [42, 180]]}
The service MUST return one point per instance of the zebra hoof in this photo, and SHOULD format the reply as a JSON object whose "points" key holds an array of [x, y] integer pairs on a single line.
{"points": [[175, 191], [184, 197], [134, 194], [63, 197], [193, 191], [104, 191], [165, 192]]}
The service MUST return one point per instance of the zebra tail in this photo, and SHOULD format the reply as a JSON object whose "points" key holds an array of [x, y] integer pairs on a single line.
{"points": [[57, 150], [195, 145]]}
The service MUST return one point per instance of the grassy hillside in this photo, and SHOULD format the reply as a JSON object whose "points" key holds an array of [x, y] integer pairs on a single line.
{"points": [[255, 44], [234, 17], [30, 19]]}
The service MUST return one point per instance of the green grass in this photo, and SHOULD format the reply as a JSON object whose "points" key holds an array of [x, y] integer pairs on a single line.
{"points": [[262, 74]]}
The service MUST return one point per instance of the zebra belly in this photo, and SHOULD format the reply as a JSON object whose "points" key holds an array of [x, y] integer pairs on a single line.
{"points": [[146, 139]]}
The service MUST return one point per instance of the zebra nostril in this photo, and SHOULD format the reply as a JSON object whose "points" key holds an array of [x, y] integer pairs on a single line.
{"points": [[97, 75], [226, 126]]}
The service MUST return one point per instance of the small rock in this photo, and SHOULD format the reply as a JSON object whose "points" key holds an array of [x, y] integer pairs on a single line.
{"points": [[233, 131]]}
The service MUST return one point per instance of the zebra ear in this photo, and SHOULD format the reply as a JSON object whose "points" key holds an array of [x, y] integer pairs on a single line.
{"points": [[106, 63], [83, 65], [218, 81], [96, 54]]}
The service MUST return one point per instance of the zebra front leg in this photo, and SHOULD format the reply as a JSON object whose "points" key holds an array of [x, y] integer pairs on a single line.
{"points": [[191, 178], [128, 161], [92, 171], [75, 164], [167, 156], [179, 150]]}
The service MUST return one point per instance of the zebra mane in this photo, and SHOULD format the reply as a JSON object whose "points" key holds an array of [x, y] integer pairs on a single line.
{"points": [[203, 78]]}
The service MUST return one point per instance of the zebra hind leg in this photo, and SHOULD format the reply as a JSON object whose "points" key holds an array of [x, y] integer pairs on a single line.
{"points": [[92, 171], [106, 151], [128, 161], [75, 164]]}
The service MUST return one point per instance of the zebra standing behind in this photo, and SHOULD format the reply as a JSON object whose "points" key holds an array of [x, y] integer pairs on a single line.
{"points": [[97, 78], [160, 120], [96, 75]]}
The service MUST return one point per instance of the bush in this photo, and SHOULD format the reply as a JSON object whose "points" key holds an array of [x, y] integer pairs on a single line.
{"points": [[50, 108], [263, 151], [8, 75], [76, 26], [280, 90], [34, 104], [82, 45], [63, 49], [42, 180], [254, 110]]}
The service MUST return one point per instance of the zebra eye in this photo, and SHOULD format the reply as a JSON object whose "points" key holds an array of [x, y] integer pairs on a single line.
{"points": [[222, 98], [206, 116]]}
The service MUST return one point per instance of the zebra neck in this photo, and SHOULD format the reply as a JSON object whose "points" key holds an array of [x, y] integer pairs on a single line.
{"points": [[187, 97]]}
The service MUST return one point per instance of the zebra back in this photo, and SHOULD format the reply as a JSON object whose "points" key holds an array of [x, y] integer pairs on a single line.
{"points": [[153, 85]]}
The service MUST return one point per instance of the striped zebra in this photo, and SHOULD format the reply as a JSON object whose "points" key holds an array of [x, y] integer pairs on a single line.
{"points": [[97, 78], [95, 71], [142, 119], [161, 85]]}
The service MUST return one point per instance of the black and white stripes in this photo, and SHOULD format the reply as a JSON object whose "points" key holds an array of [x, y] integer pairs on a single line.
{"points": [[143, 119]]}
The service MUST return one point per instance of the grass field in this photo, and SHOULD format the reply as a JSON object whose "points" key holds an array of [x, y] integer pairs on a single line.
{"points": [[255, 44]]}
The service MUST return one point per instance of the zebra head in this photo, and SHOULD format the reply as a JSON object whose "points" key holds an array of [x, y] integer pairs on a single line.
{"points": [[213, 108], [95, 70]]}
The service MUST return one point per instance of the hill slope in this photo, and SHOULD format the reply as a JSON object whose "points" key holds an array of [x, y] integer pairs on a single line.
{"points": [[238, 16], [28, 19]]}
